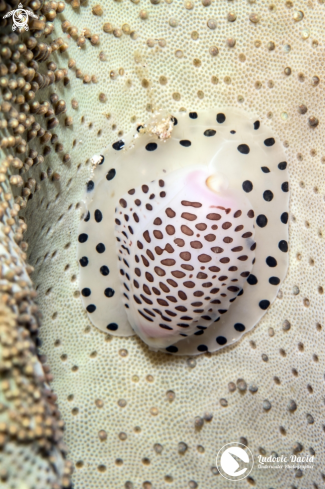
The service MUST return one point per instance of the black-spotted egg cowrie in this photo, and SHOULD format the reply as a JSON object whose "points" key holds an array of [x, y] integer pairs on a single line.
{"points": [[185, 235]]}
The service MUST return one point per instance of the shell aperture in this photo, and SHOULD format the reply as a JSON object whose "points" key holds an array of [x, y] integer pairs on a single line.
{"points": [[185, 241]]}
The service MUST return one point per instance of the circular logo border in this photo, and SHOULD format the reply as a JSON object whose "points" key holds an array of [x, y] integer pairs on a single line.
{"points": [[16, 22], [219, 467]]}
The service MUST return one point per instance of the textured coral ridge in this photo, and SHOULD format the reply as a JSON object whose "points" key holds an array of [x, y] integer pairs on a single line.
{"points": [[32, 453], [135, 418], [188, 235], [31, 430]]}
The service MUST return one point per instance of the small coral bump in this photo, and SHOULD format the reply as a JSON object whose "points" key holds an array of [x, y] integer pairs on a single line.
{"points": [[16, 180], [97, 10], [313, 121], [56, 177], [108, 28], [68, 121]]}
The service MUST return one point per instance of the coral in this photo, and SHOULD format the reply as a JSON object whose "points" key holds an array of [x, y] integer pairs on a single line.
{"points": [[141, 419], [31, 430], [31, 446]]}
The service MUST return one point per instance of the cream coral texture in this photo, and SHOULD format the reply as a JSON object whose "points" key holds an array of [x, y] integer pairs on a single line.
{"points": [[131, 415]]}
